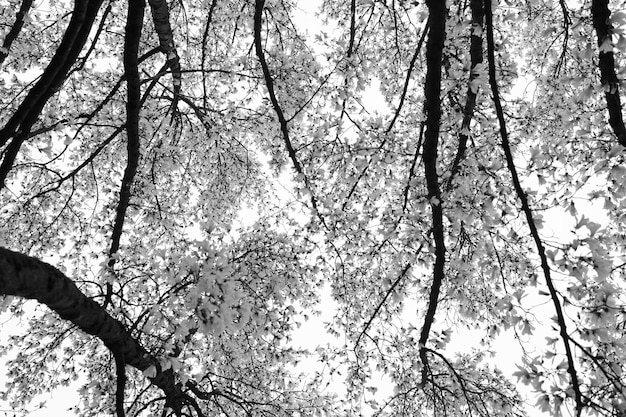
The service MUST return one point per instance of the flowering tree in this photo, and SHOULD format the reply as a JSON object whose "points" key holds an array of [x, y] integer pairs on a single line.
{"points": [[136, 136]]}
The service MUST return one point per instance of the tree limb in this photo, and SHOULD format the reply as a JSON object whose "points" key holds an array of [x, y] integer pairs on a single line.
{"points": [[606, 62], [476, 57], [23, 276], [134, 25], [21, 122], [120, 370], [432, 104], [161, 19], [269, 83], [15, 29], [521, 195]]}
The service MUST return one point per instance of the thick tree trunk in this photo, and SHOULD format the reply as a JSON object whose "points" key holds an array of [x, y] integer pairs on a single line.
{"points": [[432, 105], [23, 276], [606, 62]]}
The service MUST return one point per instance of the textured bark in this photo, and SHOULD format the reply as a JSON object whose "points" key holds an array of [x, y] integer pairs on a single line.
{"points": [[27, 277], [432, 104], [606, 62], [161, 19]]}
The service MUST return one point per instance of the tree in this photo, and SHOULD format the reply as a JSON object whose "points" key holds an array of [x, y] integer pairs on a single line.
{"points": [[135, 135]]}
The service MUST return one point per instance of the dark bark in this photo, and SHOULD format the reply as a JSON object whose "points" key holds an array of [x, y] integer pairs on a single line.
{"points": [[132, 37], [432, 104], [21, 122], [407, 79], [120, 369], [269, 83], [521, 195], [30, 278], [15, 30], [606, 62], [161, 18], [476, 57]]}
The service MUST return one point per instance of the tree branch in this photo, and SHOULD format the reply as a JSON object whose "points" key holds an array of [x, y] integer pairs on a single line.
{"points": [[161, 19], [269, 83], [120, 370], [23, 119], [23, 276], [571, 369], [383, 301], [476, 57], [132, 37], [606, 62], [15, 29], [432, 104]]}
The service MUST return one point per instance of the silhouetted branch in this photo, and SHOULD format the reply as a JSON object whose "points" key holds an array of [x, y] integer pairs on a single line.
{"points": [[383, 301], [23, 276], [134, 25], [22, 120], [606, 62], [15, 29], [393, 120], [407, 79], [476, 58], [432, 104], [521, 195], [269, 83]]}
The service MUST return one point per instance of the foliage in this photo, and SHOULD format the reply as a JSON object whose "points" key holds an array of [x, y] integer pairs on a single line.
{"points": [[202, 173]]}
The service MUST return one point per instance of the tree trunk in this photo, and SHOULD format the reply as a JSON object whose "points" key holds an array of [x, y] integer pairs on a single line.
{"points": [[23, 276]]}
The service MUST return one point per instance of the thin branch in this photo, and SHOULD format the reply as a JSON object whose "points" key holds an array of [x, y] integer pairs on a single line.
{"points": [[203, 47], [393, 120], [521, 195], [407, 79], [269, 83], [382, 302], [567, 21], [407, 187]]}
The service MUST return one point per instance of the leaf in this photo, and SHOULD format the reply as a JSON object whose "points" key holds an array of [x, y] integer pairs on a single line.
{"points": [[150, 371]]}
